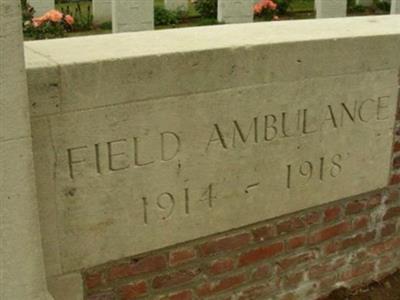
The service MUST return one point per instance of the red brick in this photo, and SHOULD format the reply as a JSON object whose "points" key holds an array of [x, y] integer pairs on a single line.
{"points": [[381, 247], [182, 295], [137, 266], [296, 242], [264, 233], [221, 266], [102, 296], [260, 253], [332, 213], [329, 232], [396, 147], [393, 196], [133, 290], [312, 218], [176, 278], [261, 272], [255, 292], [357, 240], [331, 247], [388, 229], [360, 222], [294, 260], [181, 256], [357, 271], [374, 201], [317, 271], [93, 280], [210, 288], [293, 224], [225, 244], [395, 179], [355, 207], [392, 213]]}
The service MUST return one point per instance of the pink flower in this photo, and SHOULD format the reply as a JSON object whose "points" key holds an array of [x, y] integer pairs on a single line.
{"points": [[69, 20], [39, 21], [54, 15], [258, 8]]}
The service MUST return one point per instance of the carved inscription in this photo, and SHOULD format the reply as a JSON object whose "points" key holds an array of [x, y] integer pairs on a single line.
{"points": [[289, 124], [119, 155], [303, 172], [164, 205]]}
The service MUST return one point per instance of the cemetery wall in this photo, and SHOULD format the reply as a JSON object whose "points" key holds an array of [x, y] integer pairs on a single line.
{"points": [[240, 162]]}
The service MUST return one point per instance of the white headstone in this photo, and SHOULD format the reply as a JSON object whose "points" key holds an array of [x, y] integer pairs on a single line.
{"points": [[235, 11], [41, 6], [395, 7], [21, 258], [132, 15], [331, 8], [176, 4], [364, 2], [101, 11]]}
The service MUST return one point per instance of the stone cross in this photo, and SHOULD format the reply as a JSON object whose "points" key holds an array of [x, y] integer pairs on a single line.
{"points": [[41, 6], [176, 4], [132, 15], [331, 8], [101, 11], [235, 11], [21, 257]]}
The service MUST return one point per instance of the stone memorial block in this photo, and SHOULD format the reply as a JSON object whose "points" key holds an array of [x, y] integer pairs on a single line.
{"points": [[331, 8], [364, 2], [235, 11], [41, 6], [395, 7], [21, 256], [101, 11], [176, 4], [153, 139], [132, 15]]}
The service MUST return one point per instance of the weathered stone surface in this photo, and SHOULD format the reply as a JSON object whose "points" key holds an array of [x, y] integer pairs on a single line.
{"points": [[66, 287], [395, 7], [101, 11], [134, 150], [235, 11], [132, 15], [21, 260], [176, 4], [331, 8], [42, 6]]}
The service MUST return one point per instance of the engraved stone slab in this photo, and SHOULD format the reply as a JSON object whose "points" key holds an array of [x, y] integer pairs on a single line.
{"points": [[42, 6], [331, 8], [364, 2], [126, 152], [101, 11], [235, 11], [132, 15], [395, 7]]}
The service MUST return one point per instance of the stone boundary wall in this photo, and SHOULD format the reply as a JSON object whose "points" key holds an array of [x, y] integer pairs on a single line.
{"points": [[88, 95]]}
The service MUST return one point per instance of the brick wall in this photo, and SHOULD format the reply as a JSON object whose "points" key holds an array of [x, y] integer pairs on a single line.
{"points": [[304, 255]]}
